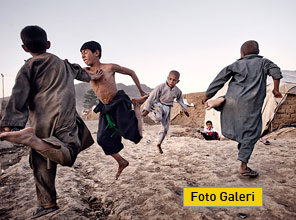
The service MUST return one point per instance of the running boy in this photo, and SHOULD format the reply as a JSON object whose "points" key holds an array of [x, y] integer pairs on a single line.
{"points": [[161, 100], [241, 107], [44, 92], [117, 119]]}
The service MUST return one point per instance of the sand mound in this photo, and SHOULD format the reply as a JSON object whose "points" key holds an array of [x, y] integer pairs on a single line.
{"points": [[197, 113]]}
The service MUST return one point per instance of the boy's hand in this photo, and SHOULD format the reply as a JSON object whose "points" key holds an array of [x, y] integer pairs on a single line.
{"points": [[95, 75], [204, 99], [277, 94], [187, 114], [144, 113]]}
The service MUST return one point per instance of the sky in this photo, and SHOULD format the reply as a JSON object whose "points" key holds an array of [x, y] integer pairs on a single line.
{"points": [[196, 37]]}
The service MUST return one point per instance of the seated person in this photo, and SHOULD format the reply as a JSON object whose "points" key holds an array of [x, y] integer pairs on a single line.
{"points": [[210, 133]]}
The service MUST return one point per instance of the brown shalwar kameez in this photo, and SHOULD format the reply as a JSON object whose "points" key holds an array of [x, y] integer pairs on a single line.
{"points": [[44, 92]]}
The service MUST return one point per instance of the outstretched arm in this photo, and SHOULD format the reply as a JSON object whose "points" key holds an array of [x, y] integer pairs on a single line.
{"points": [[16, 112], [273, 70], [131, 73], [217, 83], [182, 104]]}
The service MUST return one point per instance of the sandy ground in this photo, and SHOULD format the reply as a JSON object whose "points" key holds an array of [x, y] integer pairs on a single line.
{"points": [[152, 186]]}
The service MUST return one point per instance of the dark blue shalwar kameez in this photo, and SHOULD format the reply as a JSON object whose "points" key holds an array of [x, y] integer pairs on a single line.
{"points": [[241, 119]]}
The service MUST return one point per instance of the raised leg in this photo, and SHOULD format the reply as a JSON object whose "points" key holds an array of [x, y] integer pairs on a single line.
{"points": [[215, 103], [26, 137], [137, 102]]}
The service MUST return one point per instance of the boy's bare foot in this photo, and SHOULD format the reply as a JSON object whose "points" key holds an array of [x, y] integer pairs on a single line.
{"points": [[140, 100], [214, 103], [144, 113], [159, 149], [121, 166], [23, 136], [26, 137]]}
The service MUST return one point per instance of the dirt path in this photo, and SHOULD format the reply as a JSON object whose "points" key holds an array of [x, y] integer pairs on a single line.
{"points": [[152, 186]]}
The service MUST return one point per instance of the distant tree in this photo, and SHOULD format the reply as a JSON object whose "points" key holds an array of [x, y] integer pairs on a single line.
{"points": [[90, 99]]}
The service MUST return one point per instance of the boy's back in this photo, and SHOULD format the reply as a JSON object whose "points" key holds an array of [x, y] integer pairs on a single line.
{"points": [[241, 118], [244, 97], [44, 92], [45, 85]]}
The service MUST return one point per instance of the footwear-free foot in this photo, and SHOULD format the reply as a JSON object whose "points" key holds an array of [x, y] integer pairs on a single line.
{"points": [[40, 211], [23, 136], [159, 149], [140, 100], [215, 103], [121, 168]]}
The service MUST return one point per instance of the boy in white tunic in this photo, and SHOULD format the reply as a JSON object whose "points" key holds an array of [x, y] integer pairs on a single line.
{"points": [[161, 100]]}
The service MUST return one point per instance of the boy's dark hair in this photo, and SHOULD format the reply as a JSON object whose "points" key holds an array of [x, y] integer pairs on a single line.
{"points": [[93, 46], [34, 38], [209, 122], [250, 47], [176, 73]]}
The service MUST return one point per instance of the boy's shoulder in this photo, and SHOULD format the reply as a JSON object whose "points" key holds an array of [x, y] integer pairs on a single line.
{"points": [[176, 88], [36, 61], [42, 57], [160, 86], [110, 67], [248, 59]]}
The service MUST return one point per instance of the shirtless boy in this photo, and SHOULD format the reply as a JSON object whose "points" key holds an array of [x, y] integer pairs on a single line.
{"points": [[117, 119]]}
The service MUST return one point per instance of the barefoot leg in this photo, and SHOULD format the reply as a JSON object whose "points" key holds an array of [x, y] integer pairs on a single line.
{"points": [[137, 102], [26, 137], [159, 149], [122, 163], [140, 100]]}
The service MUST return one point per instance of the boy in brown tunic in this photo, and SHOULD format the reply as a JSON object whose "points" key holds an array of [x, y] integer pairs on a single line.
{"points": [[44, 92], [117, 119]]}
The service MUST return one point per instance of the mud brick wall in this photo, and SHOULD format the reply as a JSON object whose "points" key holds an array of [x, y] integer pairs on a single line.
{"points": [[197, 113], [286, 114]]}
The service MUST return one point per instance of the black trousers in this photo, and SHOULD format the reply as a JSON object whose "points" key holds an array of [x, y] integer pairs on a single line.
{"points": [[213, 136]]}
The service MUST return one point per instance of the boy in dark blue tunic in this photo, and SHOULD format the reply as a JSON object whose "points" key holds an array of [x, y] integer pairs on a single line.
{"points": [[241, 109]]}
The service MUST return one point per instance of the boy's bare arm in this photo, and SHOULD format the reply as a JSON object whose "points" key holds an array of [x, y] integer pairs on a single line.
{"points": [[126, 71], [276, 90], [204, 99], [181, 102]]}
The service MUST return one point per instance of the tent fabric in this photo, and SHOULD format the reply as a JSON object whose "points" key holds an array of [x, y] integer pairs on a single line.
{"points": [[271, 104]]}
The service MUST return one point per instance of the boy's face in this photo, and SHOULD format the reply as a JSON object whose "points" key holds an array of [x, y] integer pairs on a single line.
{"points": [[209, 126], [172, 80], [89, 57]]}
